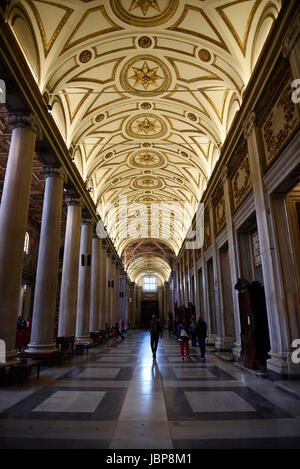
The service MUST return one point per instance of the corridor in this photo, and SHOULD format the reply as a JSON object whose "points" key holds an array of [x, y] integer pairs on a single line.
{"points": [[115, 397]]}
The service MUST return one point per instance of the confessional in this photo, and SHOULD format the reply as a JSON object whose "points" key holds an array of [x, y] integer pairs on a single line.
{"points": [[255, 339]]}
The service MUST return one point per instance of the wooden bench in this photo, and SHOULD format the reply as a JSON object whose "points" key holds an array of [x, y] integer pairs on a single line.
{"points": [[48, 357], [81, 347], [65, 347], [24, 368]]}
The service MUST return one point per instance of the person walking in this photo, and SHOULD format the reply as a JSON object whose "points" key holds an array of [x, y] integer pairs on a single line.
{"points": [[201, 328], [183, 337], [193, 332], [155, 332], [116, 331]]}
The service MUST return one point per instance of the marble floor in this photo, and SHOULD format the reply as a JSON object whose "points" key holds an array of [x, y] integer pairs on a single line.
{"points": [[116, 397]]}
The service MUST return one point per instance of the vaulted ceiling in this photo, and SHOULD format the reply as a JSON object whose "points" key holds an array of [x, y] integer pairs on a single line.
{"points": [[144, 93]]}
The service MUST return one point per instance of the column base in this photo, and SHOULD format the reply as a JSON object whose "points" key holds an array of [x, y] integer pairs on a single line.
{"points": [[281, 366], [41, 348], [211, 339], [224, 344], [237, 351], [85, 339]]}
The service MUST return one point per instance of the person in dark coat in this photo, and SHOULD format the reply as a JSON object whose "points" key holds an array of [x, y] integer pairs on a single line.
{"points": [[201, 328], [155, 332]]}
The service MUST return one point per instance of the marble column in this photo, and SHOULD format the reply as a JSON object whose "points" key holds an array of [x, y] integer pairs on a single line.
{"points": [[84, 283], [278, 322], [13, 222], [166, 301], [69, 282], [103, 287], [216, 284], [117, 293], [95, 284], [108, 289], [113, 288], [44, 309]]}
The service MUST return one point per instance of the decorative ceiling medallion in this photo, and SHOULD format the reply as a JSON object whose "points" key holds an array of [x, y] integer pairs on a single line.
{"points": [[146, 144], [184, 154], [147, 182], [147, 159], [146, 106], [204, 55], [85, 56], [109, 155], [145, 75], [147, 13], [146, 126], [99, 118], [144, 42], [192, 116]]}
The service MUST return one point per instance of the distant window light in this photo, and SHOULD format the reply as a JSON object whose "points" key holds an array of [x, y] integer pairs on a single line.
{"points": [[26, 243], [150, 284]]}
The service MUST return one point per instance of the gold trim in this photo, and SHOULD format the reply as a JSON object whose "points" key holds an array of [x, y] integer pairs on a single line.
{"points": [[48, 45], [187, 8], [114, 27], [137, 21], [242, 44], [212, 76]]}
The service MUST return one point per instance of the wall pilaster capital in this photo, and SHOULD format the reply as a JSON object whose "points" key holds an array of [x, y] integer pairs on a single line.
{"points": [[224, 175], [54, 171], [249, 124], [291, 35], [17, 120]]}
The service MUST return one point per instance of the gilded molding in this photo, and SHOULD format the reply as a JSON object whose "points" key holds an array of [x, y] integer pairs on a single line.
{"points": [[291, 35], [249, 124]]}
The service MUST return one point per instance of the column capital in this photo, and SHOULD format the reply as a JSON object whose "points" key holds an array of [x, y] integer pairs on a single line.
{"points": [[16, 120], [73, 200], [54, 171], [249, 124], [291, 35], [86, 220]]}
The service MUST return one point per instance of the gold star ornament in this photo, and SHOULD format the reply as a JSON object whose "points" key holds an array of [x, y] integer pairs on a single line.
{"points": [[144, 5], [146, 126], [145, 76]]}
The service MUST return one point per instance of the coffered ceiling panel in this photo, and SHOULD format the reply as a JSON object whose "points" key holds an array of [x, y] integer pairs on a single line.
{"points": [[144, 92]]}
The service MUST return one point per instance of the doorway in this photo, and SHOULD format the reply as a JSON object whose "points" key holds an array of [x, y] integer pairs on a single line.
{"points": [[147, 309]]}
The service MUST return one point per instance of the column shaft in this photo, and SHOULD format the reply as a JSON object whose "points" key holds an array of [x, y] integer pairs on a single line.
{"points": [[69, 283], [13, 222], [44, 309], [84, 284], [95, 284]]}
